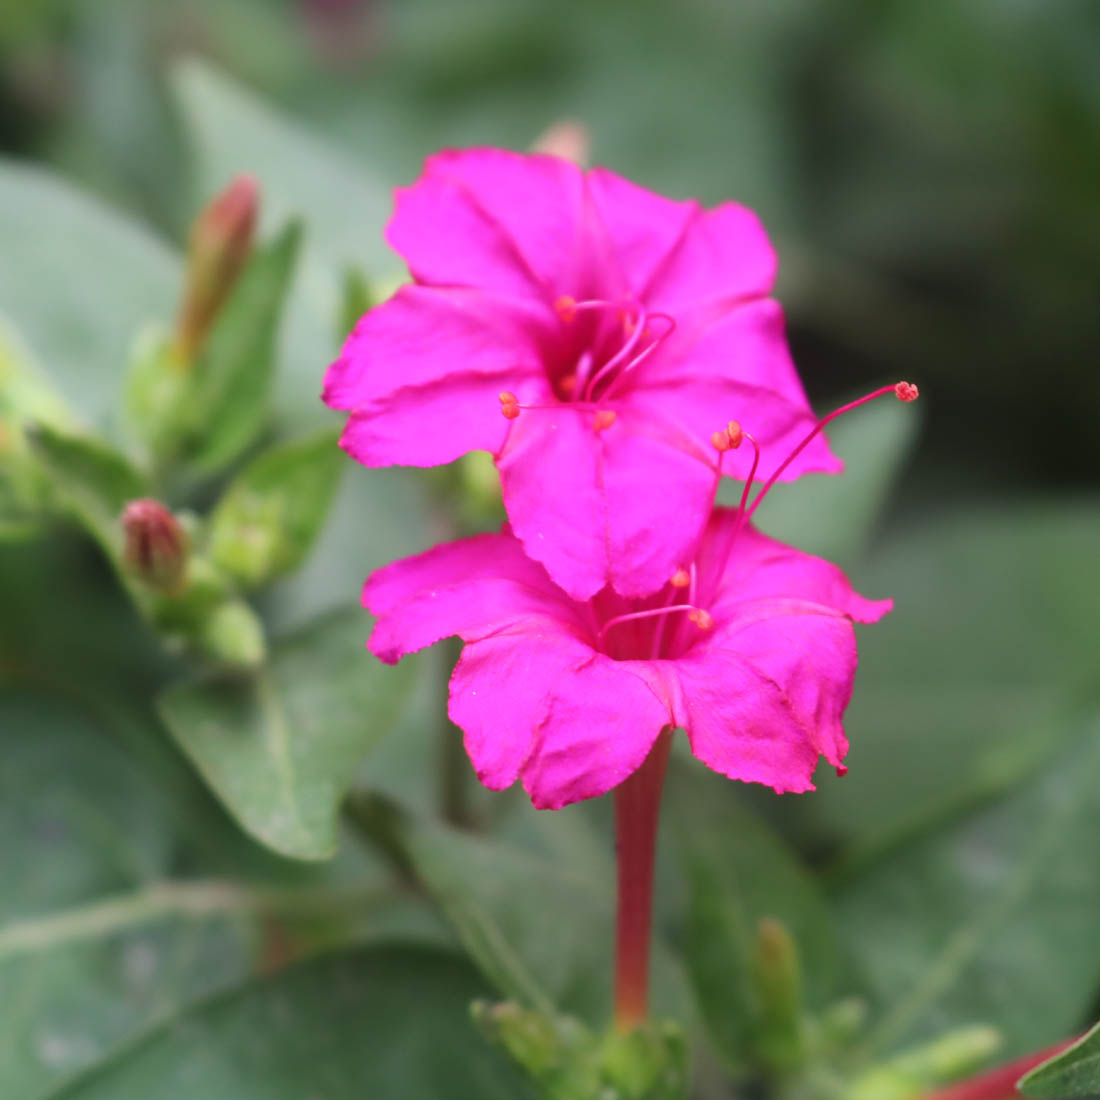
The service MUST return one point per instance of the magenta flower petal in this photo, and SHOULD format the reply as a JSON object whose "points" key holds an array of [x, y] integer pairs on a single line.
{"points": [[740, 364], [599, 727], [472, 588], [493, 219], [723, 256], [561, 520], [765, 698], [560, 298], [570, 695]]}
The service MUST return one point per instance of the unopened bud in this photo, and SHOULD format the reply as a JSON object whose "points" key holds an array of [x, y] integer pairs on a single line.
{"points": [[906, 391], [779, 994], [567, 139], [603, 419], [155, 548], [220, 240]]}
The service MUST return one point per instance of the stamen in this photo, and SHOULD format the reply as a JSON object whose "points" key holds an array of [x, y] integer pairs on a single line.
{"points": [[680, 579], [509, 405], [697, 615], [903, 391], [635, 334], [645, 353], [566, 308], [604, 418]]}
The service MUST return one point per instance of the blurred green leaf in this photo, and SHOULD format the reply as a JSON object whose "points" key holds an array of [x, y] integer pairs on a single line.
{"points": [[233, 377], [232, 131], [507, 904], [834, 517], [79, 279], [962, 689], [90, 479], [269, 517], [281, 748], [738, 873], [1074, 1072], [373, 1023], [92, 946], [990, 917]]}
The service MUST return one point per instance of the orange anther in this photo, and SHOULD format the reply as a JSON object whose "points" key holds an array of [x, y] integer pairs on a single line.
{"points": [[721, 440], [566, 308], [906, 391], [603, 418], [509, 405], [702, 619], [735, 434], [680, 579]]}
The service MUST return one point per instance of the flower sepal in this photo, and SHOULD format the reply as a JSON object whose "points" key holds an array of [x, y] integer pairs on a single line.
{"points": [[568, 1061]]}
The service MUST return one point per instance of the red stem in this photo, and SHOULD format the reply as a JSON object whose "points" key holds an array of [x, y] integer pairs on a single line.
{"points": [[637, 804], [1000, 1083]]}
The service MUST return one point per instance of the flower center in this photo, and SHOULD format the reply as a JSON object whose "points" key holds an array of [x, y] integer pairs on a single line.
{"points": [[603, 343]]}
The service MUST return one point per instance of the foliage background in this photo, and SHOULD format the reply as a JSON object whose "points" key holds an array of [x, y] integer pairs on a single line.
{"points": [[929, 173]]}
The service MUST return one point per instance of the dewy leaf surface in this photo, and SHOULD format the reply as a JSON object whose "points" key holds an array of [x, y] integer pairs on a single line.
{"points": [[79, 279], [361, 1025], [1073, 1073], [988, 918], [281, 748]]}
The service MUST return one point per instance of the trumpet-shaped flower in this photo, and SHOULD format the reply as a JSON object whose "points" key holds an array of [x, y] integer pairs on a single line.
{"points": [[751, 650], [587, 333]]}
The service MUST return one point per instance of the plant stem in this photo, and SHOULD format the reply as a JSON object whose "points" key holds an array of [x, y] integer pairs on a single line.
{"points": [[999, 1083], [637, 805]]}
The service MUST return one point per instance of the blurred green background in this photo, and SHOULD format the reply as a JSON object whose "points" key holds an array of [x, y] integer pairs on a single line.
{"points": [[929, 173], [929, 170]]}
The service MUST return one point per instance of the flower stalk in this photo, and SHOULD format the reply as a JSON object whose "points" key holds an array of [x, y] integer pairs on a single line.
{"points": [[637, 807], [999, 1083]]}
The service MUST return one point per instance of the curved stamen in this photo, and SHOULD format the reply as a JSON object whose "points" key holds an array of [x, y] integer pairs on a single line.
{"points": [[903, 391], [623, 352], [697, 615], [645, 353]]}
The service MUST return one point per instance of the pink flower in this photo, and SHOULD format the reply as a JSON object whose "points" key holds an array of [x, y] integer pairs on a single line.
{"points": [[751, 650], [615, 329]]}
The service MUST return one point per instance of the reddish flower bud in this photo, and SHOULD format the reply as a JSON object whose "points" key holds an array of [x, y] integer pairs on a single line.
{"points": [[219, 244], [155, 549]]}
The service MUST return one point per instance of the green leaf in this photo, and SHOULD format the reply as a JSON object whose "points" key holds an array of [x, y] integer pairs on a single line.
{"points": [[234, 374], [990, 917], [92, 480], [739, 873], [1073, 1072], [79, 279], [371, 1023], [961, 689], [281, 748], [82, 973], [507, 904], [269, 517], [834, 516]]}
